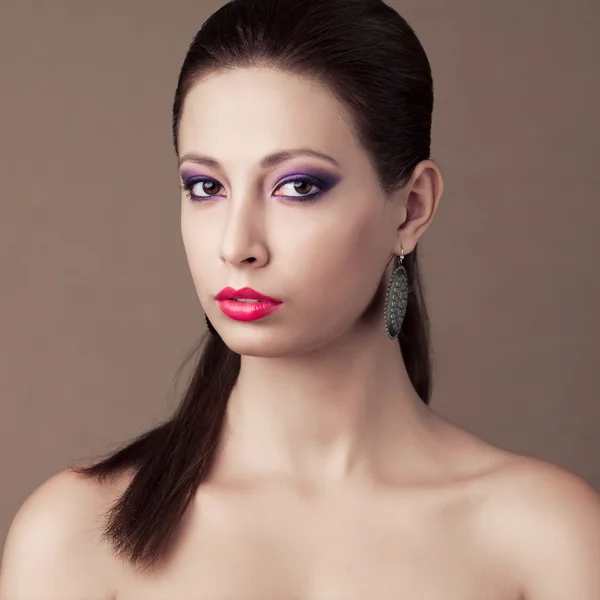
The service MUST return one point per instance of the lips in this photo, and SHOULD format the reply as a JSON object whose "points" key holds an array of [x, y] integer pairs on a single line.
{"points": [[246, 293], [228, 299]]}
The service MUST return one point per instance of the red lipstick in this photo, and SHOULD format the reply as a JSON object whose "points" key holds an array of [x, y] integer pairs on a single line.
{"points": [[246, 311]]}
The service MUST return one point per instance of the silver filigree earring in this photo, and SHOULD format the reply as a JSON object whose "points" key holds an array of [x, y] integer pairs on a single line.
{"points": [[396, 299]]}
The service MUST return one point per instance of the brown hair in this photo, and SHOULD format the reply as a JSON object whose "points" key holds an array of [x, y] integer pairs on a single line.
{"points": [[367, 55]]}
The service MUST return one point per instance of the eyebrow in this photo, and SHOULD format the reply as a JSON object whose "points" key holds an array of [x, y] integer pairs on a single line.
{"points": [[266, 163]]}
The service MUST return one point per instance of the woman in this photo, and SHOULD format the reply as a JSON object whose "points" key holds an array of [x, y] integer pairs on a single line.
{"points": [[304, 460]]}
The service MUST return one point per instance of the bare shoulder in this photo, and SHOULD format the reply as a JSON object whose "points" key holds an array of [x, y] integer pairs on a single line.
{"points": [[547, 519], [534, 491], [52, 549]]}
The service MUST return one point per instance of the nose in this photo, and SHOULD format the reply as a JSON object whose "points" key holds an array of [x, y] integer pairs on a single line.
{"points": [[243, 240]]}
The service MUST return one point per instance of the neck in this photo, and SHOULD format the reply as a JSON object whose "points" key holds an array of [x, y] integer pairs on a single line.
{"points": [[329, 415]]}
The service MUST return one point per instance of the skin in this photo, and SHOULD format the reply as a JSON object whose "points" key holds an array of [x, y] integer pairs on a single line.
{"points": [[326, 261], [333, 479]]}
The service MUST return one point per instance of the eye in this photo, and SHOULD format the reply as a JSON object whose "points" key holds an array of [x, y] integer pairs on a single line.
{"points": [[303, 185], [195, 187]]}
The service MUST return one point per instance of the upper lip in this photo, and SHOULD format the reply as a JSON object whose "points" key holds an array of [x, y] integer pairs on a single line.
{"points": [[229, 293]]}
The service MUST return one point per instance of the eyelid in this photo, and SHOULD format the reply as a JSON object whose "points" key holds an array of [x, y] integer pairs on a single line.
{"points": [[302, 177], [303, 169], [323, 188], [315, 180]]}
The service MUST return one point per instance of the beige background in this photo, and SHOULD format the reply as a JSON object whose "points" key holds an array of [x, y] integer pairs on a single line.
{"points": [[98, 308]]}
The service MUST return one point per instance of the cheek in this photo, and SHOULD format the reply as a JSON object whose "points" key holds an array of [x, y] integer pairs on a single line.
{"points": [[357, 239], [345, 259], [191, 243], [196, 249], [197, 234]]}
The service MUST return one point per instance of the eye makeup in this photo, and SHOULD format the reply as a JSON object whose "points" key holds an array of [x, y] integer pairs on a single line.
{"points": [[312, 176]]}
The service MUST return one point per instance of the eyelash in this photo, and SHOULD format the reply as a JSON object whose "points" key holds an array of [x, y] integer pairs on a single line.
{"points": [[187, 188]]}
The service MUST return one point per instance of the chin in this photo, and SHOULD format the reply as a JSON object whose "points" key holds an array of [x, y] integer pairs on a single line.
{"points": [[267, 344]]}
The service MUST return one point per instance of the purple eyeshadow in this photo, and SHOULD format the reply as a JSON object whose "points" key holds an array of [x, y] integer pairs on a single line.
{"points": [[320, 178], [187, 175], [325, 180]]}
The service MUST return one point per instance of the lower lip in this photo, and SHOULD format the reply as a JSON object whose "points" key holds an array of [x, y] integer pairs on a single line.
{"points": [[247, 311]]}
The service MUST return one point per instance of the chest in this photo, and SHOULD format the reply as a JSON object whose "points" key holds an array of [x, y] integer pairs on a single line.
{"points": [[279, 552]]}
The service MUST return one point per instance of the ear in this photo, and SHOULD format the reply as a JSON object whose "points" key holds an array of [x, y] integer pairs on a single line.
{"points": [[421, 197]]}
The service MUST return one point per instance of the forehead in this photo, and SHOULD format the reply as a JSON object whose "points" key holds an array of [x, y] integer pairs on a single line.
{"points": [[258, 110]]}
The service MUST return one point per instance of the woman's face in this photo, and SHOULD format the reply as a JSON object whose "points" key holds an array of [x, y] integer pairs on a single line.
{"points": [[318, 229]]}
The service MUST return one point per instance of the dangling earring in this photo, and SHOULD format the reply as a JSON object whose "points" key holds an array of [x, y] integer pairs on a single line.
{"points": [[209, 325], [396, 299]]}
